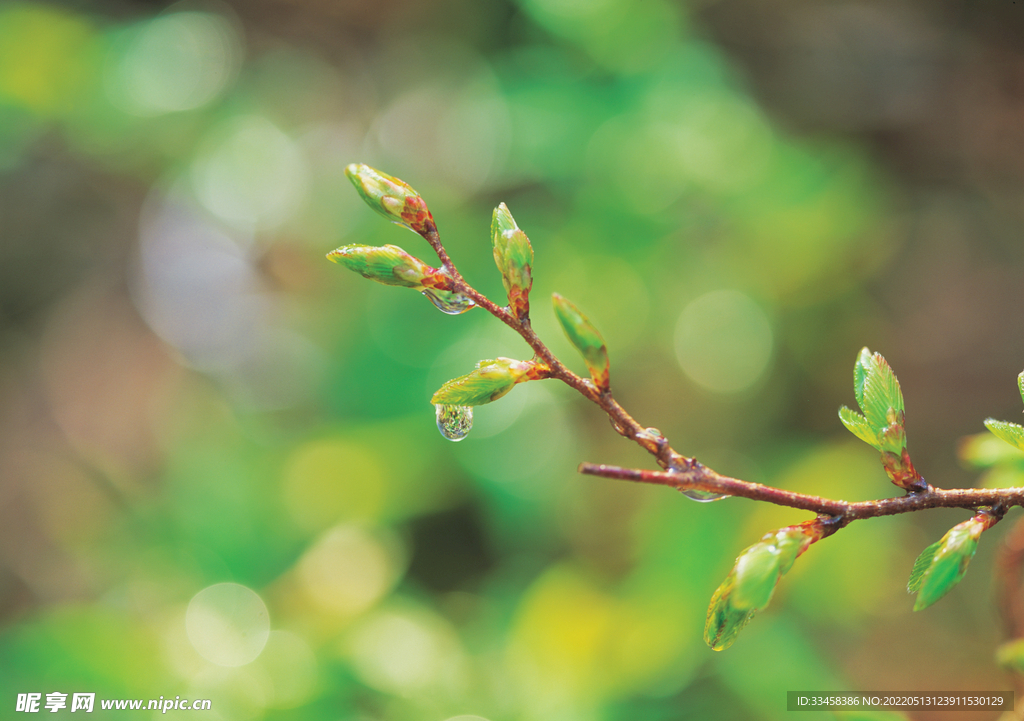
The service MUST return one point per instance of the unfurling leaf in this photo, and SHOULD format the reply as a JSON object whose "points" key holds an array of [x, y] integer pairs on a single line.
{"points": [[586, 339], [751, 583], [882, 425], [922, 564], [488, 382], [513, 255], [391, 197], [878, 392], [1009, 432], [386, 264], [858, 426], [943, 564], [861, 368]]}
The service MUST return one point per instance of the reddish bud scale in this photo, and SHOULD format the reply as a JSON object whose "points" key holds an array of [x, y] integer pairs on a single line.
{"points": [[439, 280], [519, 302], [536, 372], [415, 214], [817, 529], [902, 472], [987, 519]]}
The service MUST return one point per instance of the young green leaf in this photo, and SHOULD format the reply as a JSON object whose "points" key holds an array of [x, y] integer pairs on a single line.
{"points": [[488, 382], [922, 564], [881, 400], [386, 264], [881, 392], [942, 565], [882, 425], [858, 426], [861, 368], [586, 339], [513, 255], [391, 197], [1008, 432]]}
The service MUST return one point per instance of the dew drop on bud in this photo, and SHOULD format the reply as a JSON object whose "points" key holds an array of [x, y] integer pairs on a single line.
{"points": [[454, 422], [449, 302]]}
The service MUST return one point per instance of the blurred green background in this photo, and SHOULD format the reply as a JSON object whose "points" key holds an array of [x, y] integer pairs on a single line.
{"points": [[739, 194]]}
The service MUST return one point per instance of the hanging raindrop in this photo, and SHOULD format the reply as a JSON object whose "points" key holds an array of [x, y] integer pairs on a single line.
{"points": [[448, 301], [702, 496], [454, 422], [695, 494]]}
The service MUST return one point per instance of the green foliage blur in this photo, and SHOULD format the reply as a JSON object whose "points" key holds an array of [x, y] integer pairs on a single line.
{"points": [[219, 467]]}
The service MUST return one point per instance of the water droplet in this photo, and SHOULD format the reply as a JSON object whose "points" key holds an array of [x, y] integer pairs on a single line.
{"points": [[449, 302], [680, 465], [454, 422], [702, 496]]}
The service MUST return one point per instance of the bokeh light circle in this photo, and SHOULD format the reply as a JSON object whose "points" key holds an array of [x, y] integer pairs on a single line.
{"points": [[228, 624], [723, 341], [347, 570], [179, 61]]}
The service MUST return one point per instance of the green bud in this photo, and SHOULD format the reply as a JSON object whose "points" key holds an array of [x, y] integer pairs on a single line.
{"points": [[725, 621], [387, 264], [513, 255], [488, 382], [943, 564], [751, 583], [391, 197], [1020, 385], [759, 568], [502, 221], [585, 337]]}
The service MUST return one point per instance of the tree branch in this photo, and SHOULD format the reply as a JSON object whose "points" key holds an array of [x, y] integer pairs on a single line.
{"points": [[700, 477], [684, 473]]}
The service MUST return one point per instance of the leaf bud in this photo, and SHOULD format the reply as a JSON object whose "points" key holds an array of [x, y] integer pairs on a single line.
{"points": [[387, 264], [488, 382], [585, 338], [513, 255], [943, 564], [391, 197]]}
